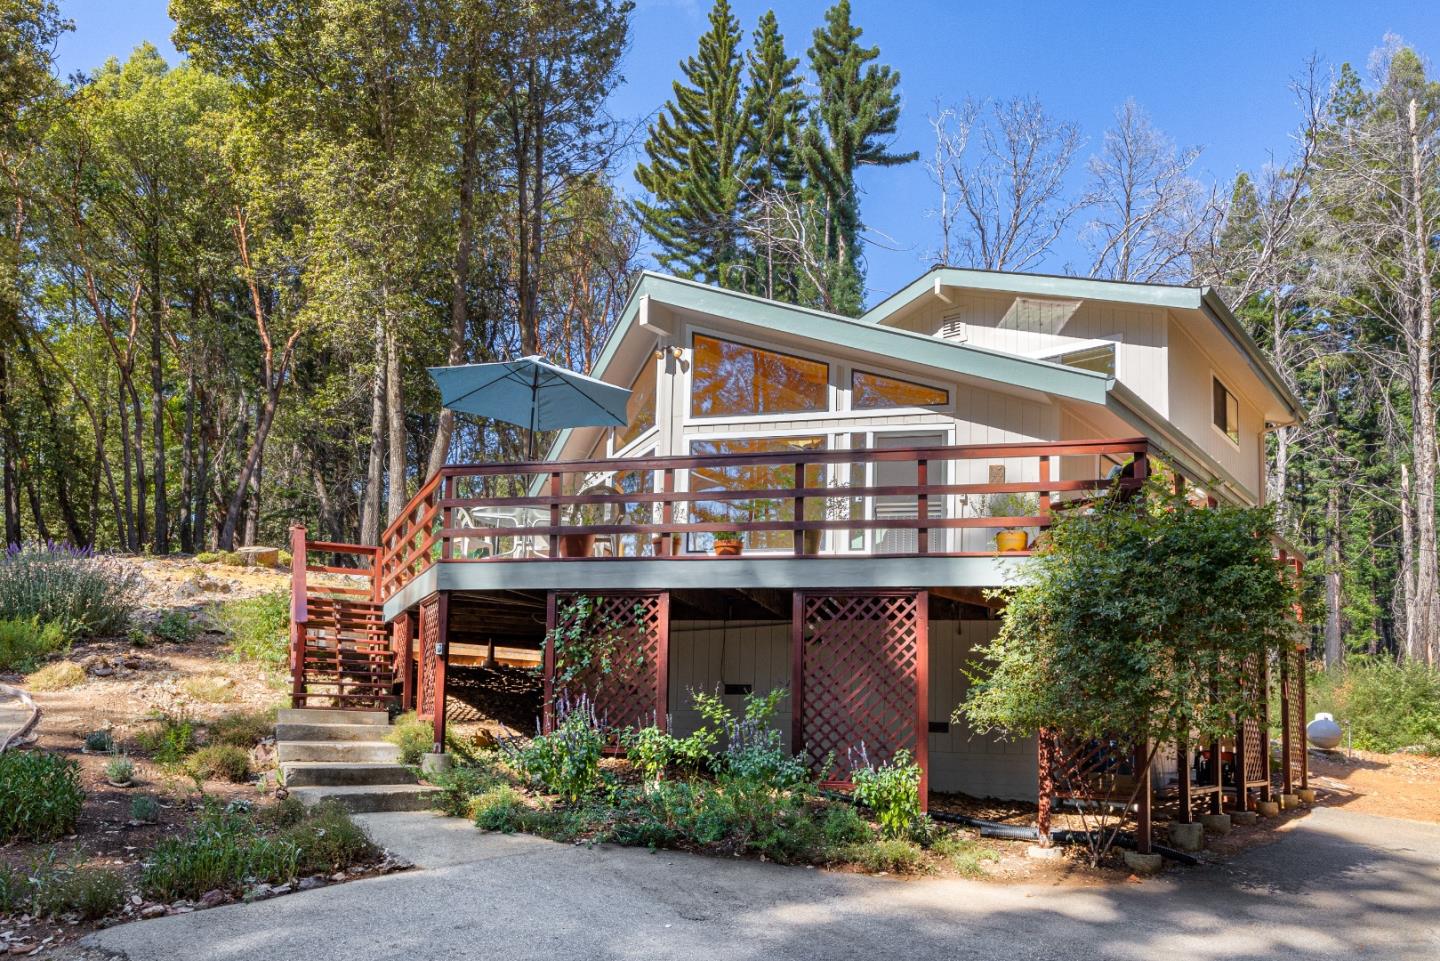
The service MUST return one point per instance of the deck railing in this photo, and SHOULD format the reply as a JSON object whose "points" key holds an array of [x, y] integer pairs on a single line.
{"points": [[878, 502]]}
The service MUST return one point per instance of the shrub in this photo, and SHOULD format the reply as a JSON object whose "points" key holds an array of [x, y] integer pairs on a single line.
{"points": [[207, 557], [145, 808], [754, 749], [1387, 706], [567, 760], [175, 627], [458, 786], [328, 840], [843, 825], [415, 738], [224, 761], [224, 851], [56, 677], [965, 855], [40, 796], [48, 889], [243, 728], [887, 854], [99, 742], [284, 558], [209, 688], [170, 740], [25, 642], [119, 770], [259, 627], [892, 791], [232, 559], [498, 809], [86, 594]]}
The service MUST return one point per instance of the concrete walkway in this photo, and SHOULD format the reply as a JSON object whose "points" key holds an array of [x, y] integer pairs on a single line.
{"points": [[1335, 885]]}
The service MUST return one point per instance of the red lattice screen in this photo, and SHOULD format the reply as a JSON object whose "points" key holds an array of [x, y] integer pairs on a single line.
{"points": [[861, 670], [1292, 680], [429, 700], [1090, 770], [633, 694], [1253, 742]]}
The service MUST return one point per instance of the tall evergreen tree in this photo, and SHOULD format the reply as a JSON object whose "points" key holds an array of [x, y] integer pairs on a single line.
{"points": [[696, 169], [775, 107], [855, 117]]}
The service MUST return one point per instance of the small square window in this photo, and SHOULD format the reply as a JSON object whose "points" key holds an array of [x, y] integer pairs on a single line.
{"points": [[1226, 412]]}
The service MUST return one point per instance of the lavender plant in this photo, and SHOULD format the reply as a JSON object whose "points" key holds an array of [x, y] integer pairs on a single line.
{"points": [[87, 594]]}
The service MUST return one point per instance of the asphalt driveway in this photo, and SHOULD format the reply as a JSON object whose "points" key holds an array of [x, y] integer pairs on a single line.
{"points": [[1335, 885]]}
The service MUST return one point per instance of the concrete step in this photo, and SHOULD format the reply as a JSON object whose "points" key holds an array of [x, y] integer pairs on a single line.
{"points": [[330, 774], [327, 732], [360, 799], [338, 752], [320, 715]]}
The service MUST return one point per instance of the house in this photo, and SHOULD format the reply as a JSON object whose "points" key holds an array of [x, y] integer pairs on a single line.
{"points": [[866, 465]]}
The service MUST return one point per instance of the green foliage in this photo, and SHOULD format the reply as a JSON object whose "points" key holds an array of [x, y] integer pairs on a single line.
{"points": [[414, 737], [225, 761], [459, 785], [56, 677], [567, 760], [888, 855], [207, 557], [328, 840], [40, 796], [588, 644], [232, 559], [225, 850], [892, 791], [1386, 707], [258, 627], [175, 627], [144, 808], [843, 826], [243, 729], [119, 770], [754, 748], [1131, 618], [964, 854], [498, 809], [169, 740], [99, 742], [85, 594], [49, 888], [25, 642]]}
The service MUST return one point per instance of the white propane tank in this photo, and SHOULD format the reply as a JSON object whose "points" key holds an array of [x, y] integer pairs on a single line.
{"points": [[1323, 732]]}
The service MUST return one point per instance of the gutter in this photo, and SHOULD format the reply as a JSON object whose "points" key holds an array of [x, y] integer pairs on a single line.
{"points": [[1242, 341]]}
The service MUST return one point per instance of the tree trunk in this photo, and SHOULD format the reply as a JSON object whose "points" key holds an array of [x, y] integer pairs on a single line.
{"points": [[187, 467], [1407, 562], [395, 420], [1423, 401], [375, 468], [1334, 651], [11, 477], [157, 410]]}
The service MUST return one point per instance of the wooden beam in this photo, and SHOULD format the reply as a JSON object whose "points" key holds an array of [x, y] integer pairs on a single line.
{"points": [[774, 602], [974, 596]]}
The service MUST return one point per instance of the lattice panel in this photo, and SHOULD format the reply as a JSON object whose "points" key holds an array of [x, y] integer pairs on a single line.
{"points": [[1092, 769], [1291, 679], [862, 658], [428, 693], [1253, 676], [632, 693]]}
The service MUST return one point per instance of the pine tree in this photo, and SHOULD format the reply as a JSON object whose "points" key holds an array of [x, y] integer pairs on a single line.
{"points": [[775, 108], [856, 114], [696, 171]]}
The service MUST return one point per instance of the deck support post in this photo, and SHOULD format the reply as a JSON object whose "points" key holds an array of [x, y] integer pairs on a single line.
{"points": [[547, 709], [1143, 797], [299, 615], [1045, 786], [1183, 760]]}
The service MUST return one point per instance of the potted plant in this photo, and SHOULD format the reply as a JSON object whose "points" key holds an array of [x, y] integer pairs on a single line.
{"points": [[835, 509], [728, 543], [119, 771], [584, 515], [1010, 539]]}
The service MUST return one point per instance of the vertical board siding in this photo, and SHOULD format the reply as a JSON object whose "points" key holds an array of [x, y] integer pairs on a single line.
{"points": [[1192, 411], [976, 764], [706, 655]]}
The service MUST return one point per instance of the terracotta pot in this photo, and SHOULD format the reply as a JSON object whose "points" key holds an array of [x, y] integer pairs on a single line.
{"points": [[1009, 541], [577, 545], [810, 541], [728, 548], [666, 546]]}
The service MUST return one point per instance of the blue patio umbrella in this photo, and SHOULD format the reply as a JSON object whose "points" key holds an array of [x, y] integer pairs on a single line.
{"points": [[531, 393]]}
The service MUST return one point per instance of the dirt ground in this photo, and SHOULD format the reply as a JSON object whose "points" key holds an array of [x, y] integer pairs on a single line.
{"points": [[1388, 785]]}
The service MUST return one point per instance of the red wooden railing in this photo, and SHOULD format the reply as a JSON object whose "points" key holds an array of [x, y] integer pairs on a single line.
{"points": [[539, 495], [339, 644]]}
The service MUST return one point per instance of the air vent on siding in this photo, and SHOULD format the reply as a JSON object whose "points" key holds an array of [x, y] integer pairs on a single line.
{"points": [[952, 328]]}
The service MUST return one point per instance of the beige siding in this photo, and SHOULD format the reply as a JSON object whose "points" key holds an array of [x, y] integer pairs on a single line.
{"points": [[963, 761], [1192, 411], [1030, 326], [706, 655]]}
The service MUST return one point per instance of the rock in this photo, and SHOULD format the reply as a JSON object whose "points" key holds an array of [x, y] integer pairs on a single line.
{"points": [[1187, 837], [1244, 818], [1288, 802], [1143, 864], [338, 876], [282, 889], [215, 898], [310, 883], [1052, 853], [1306, 795], [261, 556], [153, 910], [1215, 823]]}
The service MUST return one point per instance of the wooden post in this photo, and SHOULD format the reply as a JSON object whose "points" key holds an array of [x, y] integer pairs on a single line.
{"points": [[442, 658], [447, 491], [922, 691], [666, 545], [922, 511], [1182, 773], [1286, 712], [1263, 723], [1242, 792], [662, 663], [798, 548], [797, 672], [1217, 776], [299, 615], [1045, 479], [1142, 797], [547, 710], [554, 513], [1045, 794]]}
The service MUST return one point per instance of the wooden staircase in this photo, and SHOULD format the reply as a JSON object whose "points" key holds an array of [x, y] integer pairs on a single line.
{"points": [[340, 647]]}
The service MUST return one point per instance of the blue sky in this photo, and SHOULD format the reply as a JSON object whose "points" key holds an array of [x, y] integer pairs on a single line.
{"points": [[1209, 74]]}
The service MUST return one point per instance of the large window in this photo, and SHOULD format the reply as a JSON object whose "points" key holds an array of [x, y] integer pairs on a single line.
{"points": [[1099, 359], [875, 391], [640, 408], [751, 477], [1227, 411], [729, 379]]}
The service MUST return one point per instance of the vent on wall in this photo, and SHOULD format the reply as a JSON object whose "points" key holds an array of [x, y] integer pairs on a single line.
{"points": [[737, 688], [939, 727], [952, 328]]}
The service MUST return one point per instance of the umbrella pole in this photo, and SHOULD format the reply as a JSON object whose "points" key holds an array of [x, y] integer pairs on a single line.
{"points": [[534, 400]]}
